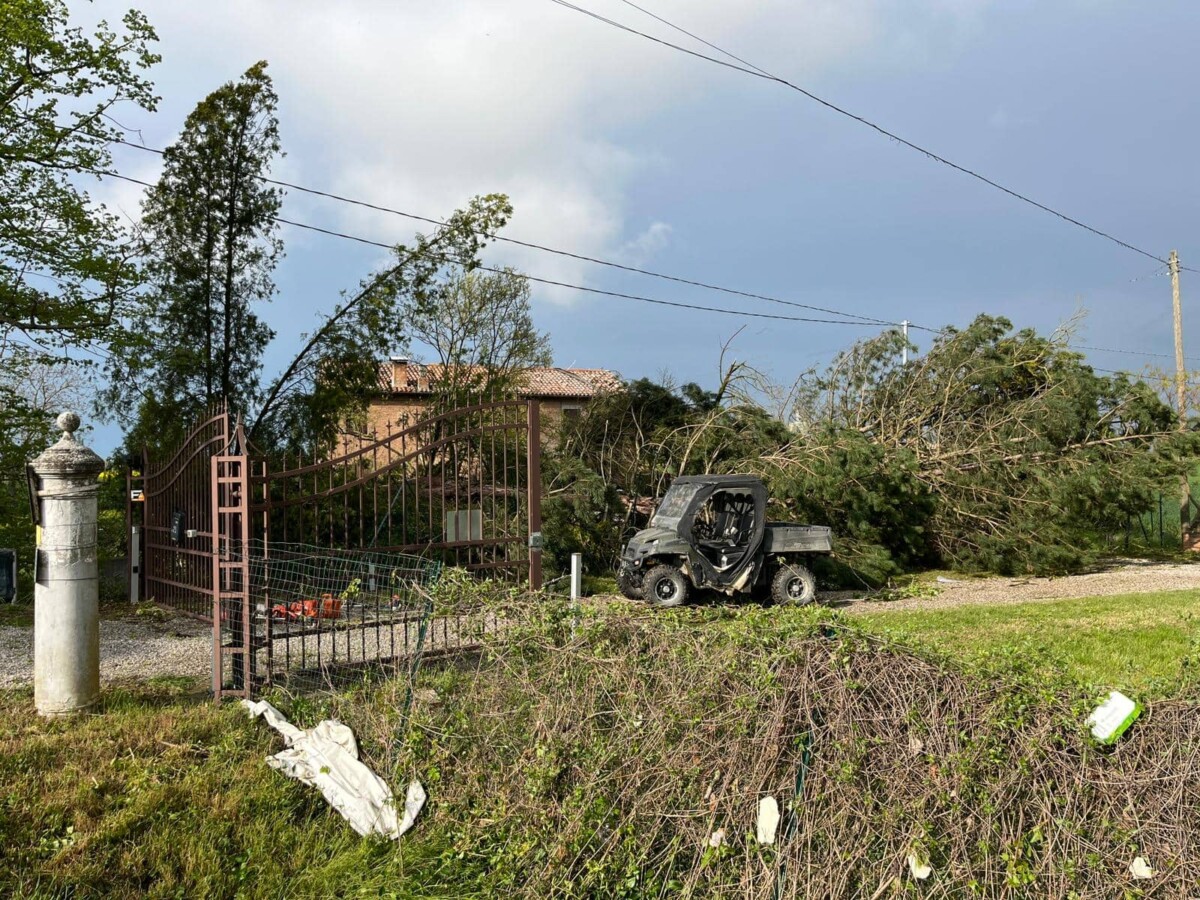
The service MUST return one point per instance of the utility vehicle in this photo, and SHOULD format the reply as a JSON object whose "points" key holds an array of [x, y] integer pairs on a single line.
{"points": [[710, 532]]}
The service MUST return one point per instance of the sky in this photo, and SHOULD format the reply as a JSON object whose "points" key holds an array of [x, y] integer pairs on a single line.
{"points": [[612, 146]]}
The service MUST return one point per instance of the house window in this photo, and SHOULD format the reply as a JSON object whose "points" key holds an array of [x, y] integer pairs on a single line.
{"points": [[571, 411]]}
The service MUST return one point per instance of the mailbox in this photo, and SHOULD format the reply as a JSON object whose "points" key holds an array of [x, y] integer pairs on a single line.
{"points": [[177, 530], [8, 575]]}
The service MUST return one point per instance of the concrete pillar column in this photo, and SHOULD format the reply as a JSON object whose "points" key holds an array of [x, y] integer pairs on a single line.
{"points": [[66, 596]]}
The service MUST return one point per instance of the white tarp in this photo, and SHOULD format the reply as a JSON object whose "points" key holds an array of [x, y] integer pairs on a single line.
{"points": [[326, 757]]}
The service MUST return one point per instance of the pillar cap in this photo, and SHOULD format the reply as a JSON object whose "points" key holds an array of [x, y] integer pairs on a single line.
{"points": [[68, 456]]}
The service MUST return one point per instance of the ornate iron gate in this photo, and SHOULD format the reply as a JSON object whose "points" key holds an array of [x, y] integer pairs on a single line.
{"points": [[323, 563], [177, 519]]}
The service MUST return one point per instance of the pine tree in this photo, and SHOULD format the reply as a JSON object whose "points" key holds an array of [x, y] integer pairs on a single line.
{"points": [[212, 245]]}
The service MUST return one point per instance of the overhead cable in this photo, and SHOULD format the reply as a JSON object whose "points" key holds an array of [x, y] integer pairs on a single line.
{"points": [[538, 279], [546, 249], [748, 68]]}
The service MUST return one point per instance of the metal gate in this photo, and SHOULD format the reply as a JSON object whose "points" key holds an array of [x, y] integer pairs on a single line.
{"points": [[177, 519], [321, 561]]}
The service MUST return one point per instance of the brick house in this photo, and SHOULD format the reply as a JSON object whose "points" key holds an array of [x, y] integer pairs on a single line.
{"points": [[407, 386]]}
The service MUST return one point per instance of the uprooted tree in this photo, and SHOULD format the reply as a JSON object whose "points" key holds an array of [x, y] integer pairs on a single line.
{"points": [[997, 449]]}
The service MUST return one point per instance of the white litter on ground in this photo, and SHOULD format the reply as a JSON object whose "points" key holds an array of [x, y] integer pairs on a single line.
{"points": [[768, 820], [1111, 718], [326, 757], [1140, 869], [920, 870]]}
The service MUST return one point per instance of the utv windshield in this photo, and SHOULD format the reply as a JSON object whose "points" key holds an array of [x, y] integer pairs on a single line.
{"points": [[673, 505]]}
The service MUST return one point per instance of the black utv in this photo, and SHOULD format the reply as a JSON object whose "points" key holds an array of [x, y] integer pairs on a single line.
{"points": [[710, 532]]}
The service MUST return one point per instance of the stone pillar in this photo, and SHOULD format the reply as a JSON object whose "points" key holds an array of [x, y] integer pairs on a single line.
{"points": [[66, 597]]}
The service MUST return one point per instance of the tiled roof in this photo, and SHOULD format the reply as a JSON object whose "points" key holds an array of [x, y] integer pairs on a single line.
{"points": [[414, 379]]}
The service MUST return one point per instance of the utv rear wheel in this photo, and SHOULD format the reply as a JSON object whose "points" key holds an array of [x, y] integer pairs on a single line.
{"points": [[629, 584], [665, 586], [794, 586]]}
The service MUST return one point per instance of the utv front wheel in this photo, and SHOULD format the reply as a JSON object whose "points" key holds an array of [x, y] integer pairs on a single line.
{"points": [[665, 586], [794, 586], [628, 584]]}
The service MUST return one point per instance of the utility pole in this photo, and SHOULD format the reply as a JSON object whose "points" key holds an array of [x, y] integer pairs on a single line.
{"points": [[1185, 488], [904, 352]]}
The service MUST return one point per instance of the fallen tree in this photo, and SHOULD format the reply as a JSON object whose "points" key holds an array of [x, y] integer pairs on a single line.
{"points": [[995, 450]]}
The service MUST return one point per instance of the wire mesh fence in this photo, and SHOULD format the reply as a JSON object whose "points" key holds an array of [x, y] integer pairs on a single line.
{"points": [[323, 617], [1159, 527]]}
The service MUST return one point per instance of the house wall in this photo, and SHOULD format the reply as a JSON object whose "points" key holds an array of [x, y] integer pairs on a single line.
{"points": [[389, 415]]}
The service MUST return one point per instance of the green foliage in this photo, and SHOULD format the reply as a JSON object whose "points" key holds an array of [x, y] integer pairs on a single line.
{"points": [[65, 273], [480, 327], [212, 247], [997, 450], [336, 372]]}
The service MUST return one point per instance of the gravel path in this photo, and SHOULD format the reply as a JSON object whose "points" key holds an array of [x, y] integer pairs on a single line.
{"points": [[141, 647], [1127, 576], [131, 648], [166, 643]]}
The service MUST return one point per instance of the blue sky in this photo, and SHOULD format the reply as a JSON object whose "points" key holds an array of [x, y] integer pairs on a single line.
{"points": [[611, 146]]}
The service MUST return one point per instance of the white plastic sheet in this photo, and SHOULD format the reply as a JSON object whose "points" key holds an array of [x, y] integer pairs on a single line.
{"points": [[768, 819], [326, 757]]}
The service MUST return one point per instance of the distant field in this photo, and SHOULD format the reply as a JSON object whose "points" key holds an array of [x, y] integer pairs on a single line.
{"points": [[1133, 642]]}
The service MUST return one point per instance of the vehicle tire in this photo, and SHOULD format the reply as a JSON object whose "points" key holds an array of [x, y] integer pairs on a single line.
{"points": [[629, 585], [793, 585], [665, 586]]}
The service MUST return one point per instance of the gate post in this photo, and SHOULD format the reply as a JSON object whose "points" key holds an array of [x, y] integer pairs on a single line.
{"points": [[66, 595], [534, 490], [231, 575]]}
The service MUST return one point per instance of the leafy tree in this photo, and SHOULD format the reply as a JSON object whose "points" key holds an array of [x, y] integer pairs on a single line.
{"points": [[65, 269], [480, 327], [336, 371], [212, 248]]}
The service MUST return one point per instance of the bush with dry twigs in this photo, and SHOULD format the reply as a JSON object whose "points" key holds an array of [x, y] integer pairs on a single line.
{"points": [[618, 753]]}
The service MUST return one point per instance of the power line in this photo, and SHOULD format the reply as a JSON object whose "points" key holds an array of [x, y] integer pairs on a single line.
{"points": [[532, 246], [1131, 352], [433, 221], [538, 279], [753, 70], [1168, 379]]}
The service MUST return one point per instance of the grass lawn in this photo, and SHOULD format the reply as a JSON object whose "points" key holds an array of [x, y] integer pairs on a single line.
{"points": [[165, 794], [1132, 642]]}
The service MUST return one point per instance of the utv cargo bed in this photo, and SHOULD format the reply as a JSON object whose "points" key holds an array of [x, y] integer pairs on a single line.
{"points": [[783, 538]]}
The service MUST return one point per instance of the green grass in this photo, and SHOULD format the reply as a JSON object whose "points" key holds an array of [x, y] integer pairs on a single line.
{"points": [[16, 614], [166, 794], [1132, 642]]}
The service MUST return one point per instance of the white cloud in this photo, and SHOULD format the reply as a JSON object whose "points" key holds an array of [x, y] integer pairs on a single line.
{"points": [[647, 245], [423, 105]]}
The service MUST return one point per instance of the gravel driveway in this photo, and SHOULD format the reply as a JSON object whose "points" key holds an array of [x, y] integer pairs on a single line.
{"points": [[140, 647], [131, 648], [1126, 576]]}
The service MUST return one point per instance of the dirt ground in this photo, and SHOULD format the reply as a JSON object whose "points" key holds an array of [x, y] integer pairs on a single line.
{"points": [[1124, 576]]}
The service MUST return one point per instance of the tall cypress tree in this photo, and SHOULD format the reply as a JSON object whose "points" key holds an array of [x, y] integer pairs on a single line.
{"points": [[212, 245]]}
